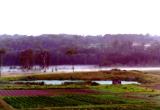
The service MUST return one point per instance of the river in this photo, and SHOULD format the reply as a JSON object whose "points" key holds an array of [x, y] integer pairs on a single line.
{"points": [[68, 68]]}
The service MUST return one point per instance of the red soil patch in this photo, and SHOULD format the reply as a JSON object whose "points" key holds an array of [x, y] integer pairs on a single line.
{"points": [[51, 92], [155, 86], [73, 91]]}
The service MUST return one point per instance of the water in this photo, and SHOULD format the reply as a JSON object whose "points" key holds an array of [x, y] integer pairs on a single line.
{"points": [[68, 68], [108, 82], [59, 82]]}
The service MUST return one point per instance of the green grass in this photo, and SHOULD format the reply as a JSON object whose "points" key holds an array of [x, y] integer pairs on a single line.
{"points": [[122, 88], [24, 87]]}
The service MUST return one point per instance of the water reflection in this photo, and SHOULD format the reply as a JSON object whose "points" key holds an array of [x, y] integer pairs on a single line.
{"points": [[60, 82]]}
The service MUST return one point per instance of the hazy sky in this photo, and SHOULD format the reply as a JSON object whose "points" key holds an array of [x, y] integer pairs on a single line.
{"points": [[84, 17]]}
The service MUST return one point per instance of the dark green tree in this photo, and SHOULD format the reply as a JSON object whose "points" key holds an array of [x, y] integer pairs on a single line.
{"points": [[2, 52], [43, 59], [71, 52], [26, 59]]}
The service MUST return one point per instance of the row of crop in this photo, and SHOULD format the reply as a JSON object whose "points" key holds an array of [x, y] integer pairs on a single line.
{"points": [[65, 100], [87, 98], [42, 101], [98, 99]]}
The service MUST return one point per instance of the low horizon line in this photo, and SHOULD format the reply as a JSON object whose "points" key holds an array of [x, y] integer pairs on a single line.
{"points": [[146, 34]]}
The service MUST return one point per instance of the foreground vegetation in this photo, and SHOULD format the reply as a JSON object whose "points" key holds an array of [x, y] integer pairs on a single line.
{"points": [[101, 97], [69, 100], [107, 97]]}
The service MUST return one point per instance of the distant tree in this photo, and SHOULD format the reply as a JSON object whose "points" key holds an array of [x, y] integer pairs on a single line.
{"points": [[43, 59], [26, 59], [71, 52], [57, 58], [2, 52]]}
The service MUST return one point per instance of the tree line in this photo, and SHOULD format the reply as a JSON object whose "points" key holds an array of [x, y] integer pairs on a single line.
{"points": [[60, 49]]}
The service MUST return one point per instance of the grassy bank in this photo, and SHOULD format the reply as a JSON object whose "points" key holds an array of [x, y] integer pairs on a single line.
{"points": [[141, 77]]}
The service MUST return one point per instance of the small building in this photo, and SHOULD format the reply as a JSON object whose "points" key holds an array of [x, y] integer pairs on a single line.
{"points": [[116, 81]]}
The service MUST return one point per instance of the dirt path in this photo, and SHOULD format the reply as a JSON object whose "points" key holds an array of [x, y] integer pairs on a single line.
{"points": [[5, 106]]}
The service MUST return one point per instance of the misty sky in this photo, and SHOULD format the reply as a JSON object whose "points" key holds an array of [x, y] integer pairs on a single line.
{"points": [[94, 17]]}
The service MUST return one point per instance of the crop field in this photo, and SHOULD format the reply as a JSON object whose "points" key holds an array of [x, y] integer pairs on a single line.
{"points": [[101, 97], [144, 96], [67, 100]]}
